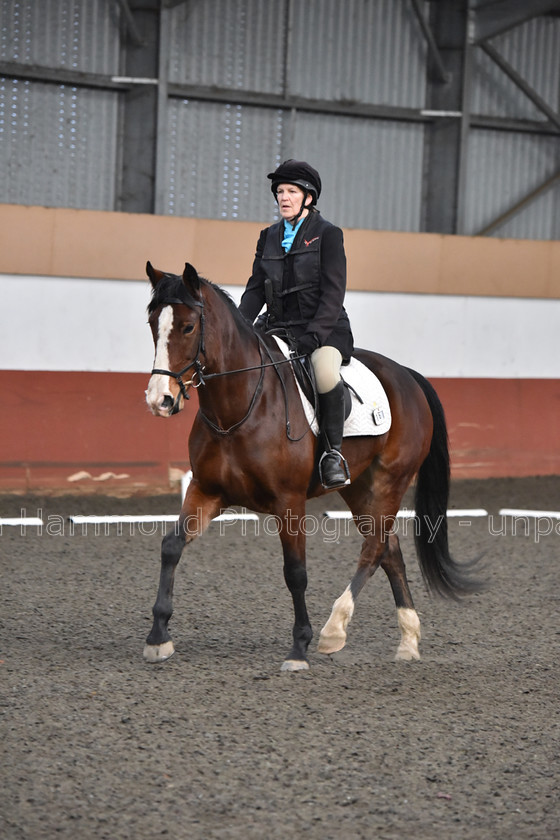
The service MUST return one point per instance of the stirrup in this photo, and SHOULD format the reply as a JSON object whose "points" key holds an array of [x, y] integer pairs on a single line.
{"points": [[344, 470]]}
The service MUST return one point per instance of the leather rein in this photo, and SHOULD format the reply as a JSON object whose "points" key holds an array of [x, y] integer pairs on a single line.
{"points": [[199, 377]]}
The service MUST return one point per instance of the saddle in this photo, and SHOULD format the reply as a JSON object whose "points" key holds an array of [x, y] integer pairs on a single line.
{"points": [[367, 410]]}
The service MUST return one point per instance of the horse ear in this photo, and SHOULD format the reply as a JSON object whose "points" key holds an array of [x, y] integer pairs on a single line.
{"points": [[153, 273], [191, 278]]}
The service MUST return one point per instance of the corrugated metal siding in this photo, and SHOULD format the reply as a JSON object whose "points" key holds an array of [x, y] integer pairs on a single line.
{"points": [[58, 143], [369, 51], [371, 169], [75, 34], [237, 45], [533, 50], [358, 51], [218, 157], [502, 169]]}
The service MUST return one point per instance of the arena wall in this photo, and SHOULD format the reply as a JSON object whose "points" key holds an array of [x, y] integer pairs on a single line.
{"points": [[477, 316]]}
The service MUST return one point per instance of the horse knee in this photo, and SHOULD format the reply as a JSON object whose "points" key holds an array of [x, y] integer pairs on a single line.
{"points": [[172, 546]]}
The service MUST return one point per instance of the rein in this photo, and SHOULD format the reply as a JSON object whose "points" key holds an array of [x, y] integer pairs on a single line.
{"points": [[200, 378]]}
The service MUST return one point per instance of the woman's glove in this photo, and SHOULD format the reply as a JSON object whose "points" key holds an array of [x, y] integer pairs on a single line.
{"points": [[306, 344]]}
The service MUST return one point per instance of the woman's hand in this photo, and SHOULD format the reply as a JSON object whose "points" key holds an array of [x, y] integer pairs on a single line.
{"points": [[306, 344]]}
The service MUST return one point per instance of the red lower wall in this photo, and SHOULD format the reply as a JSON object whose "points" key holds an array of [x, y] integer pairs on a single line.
{"points": [[56, 426]]}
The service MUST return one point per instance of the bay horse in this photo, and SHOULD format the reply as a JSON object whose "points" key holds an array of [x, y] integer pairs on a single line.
{"points": [[251, 446]]}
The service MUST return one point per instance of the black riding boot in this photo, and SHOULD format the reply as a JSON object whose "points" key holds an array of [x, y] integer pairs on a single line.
{"points": [[333, 469]]}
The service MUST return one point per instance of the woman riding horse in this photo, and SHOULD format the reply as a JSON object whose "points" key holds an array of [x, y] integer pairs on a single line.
{"points": [[299, 271]]}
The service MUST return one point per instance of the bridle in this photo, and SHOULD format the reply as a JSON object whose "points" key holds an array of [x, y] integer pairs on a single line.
{"points": [[195, 364], [199, 378]]}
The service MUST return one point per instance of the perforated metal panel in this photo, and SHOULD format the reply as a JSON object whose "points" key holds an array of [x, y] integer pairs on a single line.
{"points": [[361, 50], [265, 79], [237, 45], [58, 143], [215, 166], [77, 34]]}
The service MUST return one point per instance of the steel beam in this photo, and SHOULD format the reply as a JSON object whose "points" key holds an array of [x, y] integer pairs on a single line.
{"points": [[440, 74], [62, 76], [495, 18], [138, 132], [520, 205], [446, 138], [520, 82], [130, 23]]}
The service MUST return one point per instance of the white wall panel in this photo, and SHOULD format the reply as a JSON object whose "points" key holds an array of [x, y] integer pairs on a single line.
{"points": [[96, 325]]}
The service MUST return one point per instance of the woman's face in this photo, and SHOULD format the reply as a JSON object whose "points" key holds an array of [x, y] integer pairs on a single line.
{"points": [[289, 198]]}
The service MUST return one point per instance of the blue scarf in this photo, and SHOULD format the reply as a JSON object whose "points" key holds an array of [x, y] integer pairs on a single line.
{"points": [[290, 234]]}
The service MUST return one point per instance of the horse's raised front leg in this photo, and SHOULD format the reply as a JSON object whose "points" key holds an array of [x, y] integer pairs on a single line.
{"points": [[409, 623], [295, 575], [196, 514]]}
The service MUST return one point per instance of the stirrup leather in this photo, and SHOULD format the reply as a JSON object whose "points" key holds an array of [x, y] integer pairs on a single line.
{"points": [[342, 462]]}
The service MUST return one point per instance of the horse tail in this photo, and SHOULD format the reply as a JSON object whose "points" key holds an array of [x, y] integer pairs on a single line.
{"points": [[442, 574]]}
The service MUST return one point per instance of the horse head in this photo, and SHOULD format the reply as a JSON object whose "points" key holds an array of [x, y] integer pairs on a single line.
{"points": [[176, 318]]}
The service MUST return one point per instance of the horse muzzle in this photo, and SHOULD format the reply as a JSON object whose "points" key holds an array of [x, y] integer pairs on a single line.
{"points": [[160, 400]]}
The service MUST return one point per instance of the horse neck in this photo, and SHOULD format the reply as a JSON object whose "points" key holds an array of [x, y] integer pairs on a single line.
{"points": [[228, 346]]}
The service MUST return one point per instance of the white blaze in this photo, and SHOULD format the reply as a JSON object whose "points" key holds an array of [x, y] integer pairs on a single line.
{"points": [[158, 386]]}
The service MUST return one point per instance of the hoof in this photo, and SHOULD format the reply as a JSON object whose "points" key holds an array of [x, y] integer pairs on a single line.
{"points": [[407, 653], [295, 665], [158, 653], [330, 643]]}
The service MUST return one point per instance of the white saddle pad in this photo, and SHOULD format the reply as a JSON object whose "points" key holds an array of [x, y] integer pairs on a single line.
{"points": [[370, 413]]}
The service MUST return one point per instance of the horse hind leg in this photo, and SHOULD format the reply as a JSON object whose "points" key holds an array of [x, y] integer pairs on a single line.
{"points": [[409, 623], [333, 635]]}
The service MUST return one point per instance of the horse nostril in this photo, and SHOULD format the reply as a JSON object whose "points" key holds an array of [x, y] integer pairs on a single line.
{"points": [[167, 402]]}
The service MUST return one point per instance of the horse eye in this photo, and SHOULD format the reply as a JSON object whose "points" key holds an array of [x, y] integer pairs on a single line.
{"points": [[188, 329]]}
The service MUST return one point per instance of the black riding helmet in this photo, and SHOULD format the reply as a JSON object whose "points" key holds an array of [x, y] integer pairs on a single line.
{"points": [[297, 172], [301, 174]]}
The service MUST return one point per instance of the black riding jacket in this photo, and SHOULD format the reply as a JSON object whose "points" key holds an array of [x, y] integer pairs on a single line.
{"points": [[304, 289]]}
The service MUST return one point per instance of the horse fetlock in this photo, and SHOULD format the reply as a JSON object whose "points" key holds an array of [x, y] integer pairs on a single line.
{"points": [[333, 634], [330, 642], [409, 625]]}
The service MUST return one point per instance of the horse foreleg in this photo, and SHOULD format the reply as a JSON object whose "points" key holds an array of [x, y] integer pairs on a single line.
{"points": [[196, 514], [409, 623], [295, 575]]}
